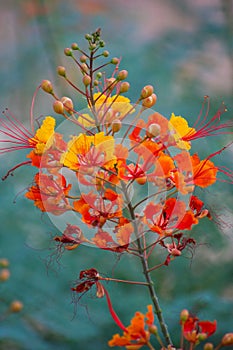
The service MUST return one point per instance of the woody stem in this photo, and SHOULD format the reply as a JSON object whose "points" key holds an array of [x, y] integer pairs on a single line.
{"points": [[146, 271], [122, 281]]}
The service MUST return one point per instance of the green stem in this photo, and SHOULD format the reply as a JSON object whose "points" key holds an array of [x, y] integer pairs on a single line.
{"points": [[146, 272]]}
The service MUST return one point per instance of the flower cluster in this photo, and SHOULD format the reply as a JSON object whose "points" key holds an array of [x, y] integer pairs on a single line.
{"points": [[120, 175]]}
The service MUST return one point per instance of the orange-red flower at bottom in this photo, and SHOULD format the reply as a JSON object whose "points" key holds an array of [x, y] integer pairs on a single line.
{"points": [[137, 333], [195, 331]]}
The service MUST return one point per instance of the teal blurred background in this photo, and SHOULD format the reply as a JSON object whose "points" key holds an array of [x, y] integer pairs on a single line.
{"points": [[185, 49]]}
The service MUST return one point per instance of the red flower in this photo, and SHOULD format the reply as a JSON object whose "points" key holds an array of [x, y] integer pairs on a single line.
{"points": [[195, 331], [164, 219]]}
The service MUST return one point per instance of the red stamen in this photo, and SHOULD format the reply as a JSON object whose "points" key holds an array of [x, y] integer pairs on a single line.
{"points": [[18, 135], [113, 313], [10, 172], [208, 128]]}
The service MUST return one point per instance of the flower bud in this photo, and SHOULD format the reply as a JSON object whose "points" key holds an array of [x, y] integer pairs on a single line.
{"points": [[184, 315], [58, 107], [16, 306], [4, 262], [68, 104], [147, 91], [83, 58], [105, 53], [153, 130], [202, 336], [68, 51], [110, 83], [149, 101], [208, 346], [153, 329], [74, 46], [141, 180], [47, 86], [124, 87], [99, 75], [86, 80], [4, 275], [101, 43], [116, 125], [122, 75], [227, 339], [115, 60], [84, 68], [88, 37], [95, 82], [61, 71], [92, 47]]}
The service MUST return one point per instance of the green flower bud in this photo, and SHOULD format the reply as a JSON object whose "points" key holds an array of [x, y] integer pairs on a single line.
{"points": [[99, 75], [74, 46], [61, 71], [83, 58], [116, 125], [115, 60], [58, 107], [84, 68], [208, 346], [101, 43], [124, 87], [122, 75], [4, 262], [92, 47], [110, 83], [147, 91], [95, 82], [105, 53], [88, 37], [86, 80], [149, 101], [68, 52], [184, 315], [47, 86], [68, 104]]}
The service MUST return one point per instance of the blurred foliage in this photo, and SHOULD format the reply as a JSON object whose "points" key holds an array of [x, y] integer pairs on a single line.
{"points": [[183, 48]]}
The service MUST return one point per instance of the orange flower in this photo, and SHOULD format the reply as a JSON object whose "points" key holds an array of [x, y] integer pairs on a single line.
{"points": [[165, 219], [137, 334], [49, 193], [204, 171], [97, 209], [198, 172]]}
